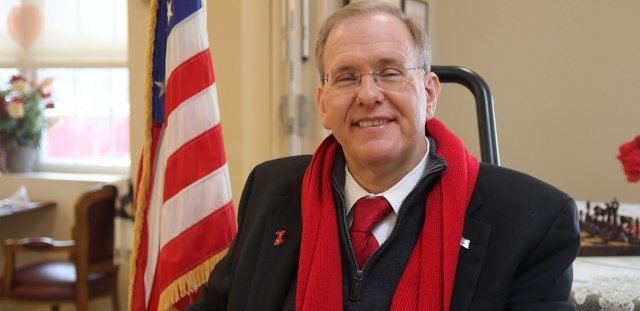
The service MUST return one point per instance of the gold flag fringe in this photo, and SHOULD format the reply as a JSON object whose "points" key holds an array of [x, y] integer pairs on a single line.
{"points": [[188, 282], [145, 174]]}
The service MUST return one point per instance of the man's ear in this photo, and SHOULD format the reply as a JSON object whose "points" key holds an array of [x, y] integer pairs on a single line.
{"points": [[322, 107], [432, 87]]}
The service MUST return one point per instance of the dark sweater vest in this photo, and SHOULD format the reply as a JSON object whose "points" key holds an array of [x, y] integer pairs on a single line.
{"points": [[373, 287]]}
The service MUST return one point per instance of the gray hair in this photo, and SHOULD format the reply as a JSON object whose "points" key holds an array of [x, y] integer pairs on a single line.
{"points": [[355, 9]]}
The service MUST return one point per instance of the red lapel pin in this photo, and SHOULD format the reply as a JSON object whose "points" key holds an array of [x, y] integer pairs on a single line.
{"points": [[279, 239]]}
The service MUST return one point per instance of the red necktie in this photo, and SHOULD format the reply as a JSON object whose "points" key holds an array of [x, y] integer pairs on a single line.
{"points": [[367, 212]]}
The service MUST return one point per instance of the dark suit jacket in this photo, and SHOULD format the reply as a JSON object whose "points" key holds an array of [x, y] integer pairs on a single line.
{"points": [[524, 236]]}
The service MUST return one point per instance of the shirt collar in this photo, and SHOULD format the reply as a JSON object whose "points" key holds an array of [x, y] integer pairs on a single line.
{"points": [[395, 195]]}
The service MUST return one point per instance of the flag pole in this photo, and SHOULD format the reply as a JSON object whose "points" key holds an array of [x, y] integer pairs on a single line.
{"points": [[144, 169]]}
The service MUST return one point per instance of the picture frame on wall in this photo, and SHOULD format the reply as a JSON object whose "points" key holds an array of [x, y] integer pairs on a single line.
{"points": [[418, 11]]}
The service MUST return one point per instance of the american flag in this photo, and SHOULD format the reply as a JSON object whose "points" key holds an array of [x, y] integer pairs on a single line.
{"points": [[184, 218]]}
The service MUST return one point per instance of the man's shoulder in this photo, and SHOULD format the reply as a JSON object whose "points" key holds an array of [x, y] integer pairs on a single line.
{"points": [[280, 177], [523, 200], [286, 164], [500, 180], [285, 168]]}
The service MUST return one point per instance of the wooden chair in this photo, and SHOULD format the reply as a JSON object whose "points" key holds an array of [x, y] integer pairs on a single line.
{"points": [[89, 272]]}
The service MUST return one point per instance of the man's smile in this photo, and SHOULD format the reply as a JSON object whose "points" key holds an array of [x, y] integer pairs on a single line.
{"points": [[370, 123]]}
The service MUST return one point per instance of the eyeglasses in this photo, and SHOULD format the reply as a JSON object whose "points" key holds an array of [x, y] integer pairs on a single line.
{"points": [[387, 78]]}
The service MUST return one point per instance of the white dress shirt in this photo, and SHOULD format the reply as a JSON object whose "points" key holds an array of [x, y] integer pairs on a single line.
{"points": [[395, 195]]}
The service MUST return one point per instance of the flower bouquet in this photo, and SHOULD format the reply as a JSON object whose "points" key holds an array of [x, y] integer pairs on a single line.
{"points": [[22, 117]]}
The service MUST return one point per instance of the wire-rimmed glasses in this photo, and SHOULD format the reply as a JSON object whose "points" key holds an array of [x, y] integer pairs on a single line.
{"points": [[388, 78]]}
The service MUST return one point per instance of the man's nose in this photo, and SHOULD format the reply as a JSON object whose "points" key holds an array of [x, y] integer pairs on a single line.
{"points": [[368, 91]]}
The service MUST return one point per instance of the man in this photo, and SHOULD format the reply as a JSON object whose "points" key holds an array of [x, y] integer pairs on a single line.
{"points": [[453, 234]]}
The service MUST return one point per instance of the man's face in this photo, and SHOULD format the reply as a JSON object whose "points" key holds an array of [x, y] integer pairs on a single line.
{"points": [[377, 125]]}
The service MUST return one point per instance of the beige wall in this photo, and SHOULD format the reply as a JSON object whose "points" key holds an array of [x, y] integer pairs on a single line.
{"points": [[563, 74]]}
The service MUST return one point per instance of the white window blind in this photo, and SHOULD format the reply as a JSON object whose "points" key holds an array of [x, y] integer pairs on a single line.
{"points": [[63, 33]]}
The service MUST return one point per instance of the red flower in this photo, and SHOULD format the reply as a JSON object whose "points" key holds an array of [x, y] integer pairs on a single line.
{"points": [[630, 157], [17, 78]]}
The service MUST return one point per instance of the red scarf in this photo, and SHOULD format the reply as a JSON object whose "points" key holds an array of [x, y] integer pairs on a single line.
{"points": [[427, 281]]}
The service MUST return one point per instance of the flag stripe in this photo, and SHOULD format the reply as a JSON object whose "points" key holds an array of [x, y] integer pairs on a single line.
{"points": [[190, 205], [194, 160], [186, 40], [192, 238], [216, 227], [193, 117], [188, 79], [154, 219]]}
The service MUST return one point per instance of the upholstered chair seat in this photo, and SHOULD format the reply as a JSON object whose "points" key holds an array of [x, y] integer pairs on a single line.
{"points": [[56, 280]]}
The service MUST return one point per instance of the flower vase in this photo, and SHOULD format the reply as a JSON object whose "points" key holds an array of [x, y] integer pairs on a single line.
{"points": [[22, 159]]}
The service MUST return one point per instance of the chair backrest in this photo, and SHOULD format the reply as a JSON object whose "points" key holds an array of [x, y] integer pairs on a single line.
{"points": [[484, 107], [94, 226]]}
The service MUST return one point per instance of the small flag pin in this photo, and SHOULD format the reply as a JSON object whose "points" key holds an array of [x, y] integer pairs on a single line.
{"points": [[465, 243], [279, 239]]}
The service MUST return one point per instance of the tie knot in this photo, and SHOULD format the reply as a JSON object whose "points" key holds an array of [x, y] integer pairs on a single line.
{"points": [[368, 211]]}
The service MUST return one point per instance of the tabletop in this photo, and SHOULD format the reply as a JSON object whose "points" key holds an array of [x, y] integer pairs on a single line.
{"points": [[606, 283], [9, 210]]}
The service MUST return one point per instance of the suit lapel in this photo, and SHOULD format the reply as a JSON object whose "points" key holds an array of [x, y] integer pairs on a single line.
{"points": [[471, 259], [277, 263]]}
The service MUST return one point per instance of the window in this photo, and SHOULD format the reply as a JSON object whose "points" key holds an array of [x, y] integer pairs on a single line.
{"points": [[91, 118], [82, 45]]}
